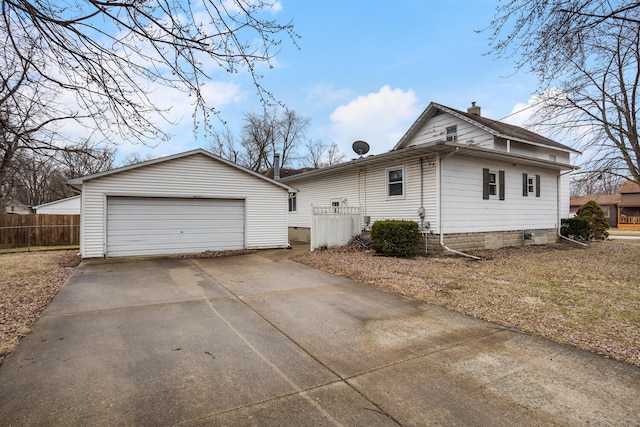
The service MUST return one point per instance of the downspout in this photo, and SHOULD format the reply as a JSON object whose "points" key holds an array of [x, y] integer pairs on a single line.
{"points": [[440, 159], [421, 210], [558, 210]]}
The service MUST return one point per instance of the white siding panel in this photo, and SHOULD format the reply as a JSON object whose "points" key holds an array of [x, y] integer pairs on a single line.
{"points": [[464, 210], [195, 176], [366, 188], [70, 206], [435, 130]]}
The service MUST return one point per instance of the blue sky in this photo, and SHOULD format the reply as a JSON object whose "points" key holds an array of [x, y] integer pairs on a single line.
{"points": [[366, 70]]}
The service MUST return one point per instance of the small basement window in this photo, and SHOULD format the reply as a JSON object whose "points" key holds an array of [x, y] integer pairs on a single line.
{"points": [[395, 182]]}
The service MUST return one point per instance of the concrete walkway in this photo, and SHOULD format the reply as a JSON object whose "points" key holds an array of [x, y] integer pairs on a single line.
{"points": [[261, 340]]}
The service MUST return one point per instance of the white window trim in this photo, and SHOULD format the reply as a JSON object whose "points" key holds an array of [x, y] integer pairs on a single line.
{"points": [[404, 183]]}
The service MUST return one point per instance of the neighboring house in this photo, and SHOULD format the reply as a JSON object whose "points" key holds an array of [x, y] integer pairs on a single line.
{"points": [[608, 203], [18, 208], [68, 206], [629, 206], [469, 181], [185, 203]]}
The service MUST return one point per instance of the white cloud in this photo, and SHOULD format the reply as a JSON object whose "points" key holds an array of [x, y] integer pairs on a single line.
{"points": [[379, 118], [522, 112]]}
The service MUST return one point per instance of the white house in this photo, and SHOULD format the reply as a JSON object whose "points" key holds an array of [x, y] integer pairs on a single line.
{"points": [[185, 203], [469, 181], [68, 206]]}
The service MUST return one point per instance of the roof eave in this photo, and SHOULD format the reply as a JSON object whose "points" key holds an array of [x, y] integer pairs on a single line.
{"points": [[432, 148], [77, 182]]}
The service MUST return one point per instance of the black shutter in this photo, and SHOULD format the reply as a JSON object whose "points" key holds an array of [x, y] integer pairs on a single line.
{"points": [[485, 184], [525, 182], [501, 184], [537, 185]]}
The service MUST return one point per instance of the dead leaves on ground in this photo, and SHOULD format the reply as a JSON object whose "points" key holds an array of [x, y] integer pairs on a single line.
{"points": [[28, 283]]}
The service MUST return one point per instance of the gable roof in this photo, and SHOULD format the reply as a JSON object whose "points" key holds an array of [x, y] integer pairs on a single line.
{"points": [[629, 187], [498, 129], [57, 202], [601, 199], [285, 172], [77, 182]]}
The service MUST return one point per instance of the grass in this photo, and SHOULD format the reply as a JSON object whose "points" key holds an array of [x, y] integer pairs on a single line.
{"points": [[28, 283], [586, 297], [37, 249]]}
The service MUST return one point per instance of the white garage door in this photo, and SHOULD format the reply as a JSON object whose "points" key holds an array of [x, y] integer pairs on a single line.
{"points": [[155, 226]]}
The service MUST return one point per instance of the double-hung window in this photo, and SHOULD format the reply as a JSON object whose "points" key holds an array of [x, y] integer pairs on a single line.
{"points": [[395, 182], [493, 186], [530, 185], [452, 133]]}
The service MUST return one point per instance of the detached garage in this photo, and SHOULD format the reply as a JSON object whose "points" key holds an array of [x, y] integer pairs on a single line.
{"points": [[186, 203]]}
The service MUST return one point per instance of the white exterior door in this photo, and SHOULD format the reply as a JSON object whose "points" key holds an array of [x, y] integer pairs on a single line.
{"points": [[158, 226]]}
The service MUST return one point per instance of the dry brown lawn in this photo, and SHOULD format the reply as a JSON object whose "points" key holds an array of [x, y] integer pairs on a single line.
{"points": [[586, 297], [28, 283]]}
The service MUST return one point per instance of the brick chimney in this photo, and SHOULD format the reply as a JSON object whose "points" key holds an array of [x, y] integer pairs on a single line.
{"points": [[474, 109]]}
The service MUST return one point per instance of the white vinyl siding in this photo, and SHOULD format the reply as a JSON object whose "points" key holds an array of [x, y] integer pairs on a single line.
{"points": [[70, 206], [464, 210], [435, 129], [193, 176], [367, 189], [156, 226]]}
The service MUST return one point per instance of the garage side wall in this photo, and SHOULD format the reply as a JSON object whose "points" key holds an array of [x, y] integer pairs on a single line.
{"points": [[196, 176]]}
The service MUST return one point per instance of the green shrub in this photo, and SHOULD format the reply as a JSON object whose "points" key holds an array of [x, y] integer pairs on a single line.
{"points": [[395, 237], [593, 213], [575, 228]]}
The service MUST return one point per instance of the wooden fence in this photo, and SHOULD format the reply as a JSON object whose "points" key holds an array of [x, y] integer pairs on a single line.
{"points": [[39, 230]]}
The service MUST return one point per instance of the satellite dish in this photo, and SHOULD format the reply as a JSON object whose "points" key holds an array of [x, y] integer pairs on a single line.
{"points": [[360, 147]]}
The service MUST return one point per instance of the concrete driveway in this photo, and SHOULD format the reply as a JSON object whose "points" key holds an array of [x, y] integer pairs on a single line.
{"points": [[261, 340]]}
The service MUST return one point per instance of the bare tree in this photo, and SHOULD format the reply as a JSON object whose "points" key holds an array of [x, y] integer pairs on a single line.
{"points": [[134, 158], [224, 145], [594, 183], [110, 53], [334, 155], [86, 159], [258, 140], [586, 54], [262, 135], [29, 115], [315, 153], [321, 155], [37, 181], [291, 129]]}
